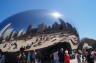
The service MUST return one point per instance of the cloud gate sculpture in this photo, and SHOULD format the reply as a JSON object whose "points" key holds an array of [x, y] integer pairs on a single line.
{"points": [[37, 29]]}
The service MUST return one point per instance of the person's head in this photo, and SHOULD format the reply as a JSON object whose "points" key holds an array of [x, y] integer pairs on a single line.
{"points": [[62, 49], [66, 51]]}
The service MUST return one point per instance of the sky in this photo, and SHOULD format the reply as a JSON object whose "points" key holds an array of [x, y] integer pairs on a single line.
{"points": [[81, 13]]}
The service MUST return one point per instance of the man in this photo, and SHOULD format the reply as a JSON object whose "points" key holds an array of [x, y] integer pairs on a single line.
{"points": [[55, 57], [61, 55]]}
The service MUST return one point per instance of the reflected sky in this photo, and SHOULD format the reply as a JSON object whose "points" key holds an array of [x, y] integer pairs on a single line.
{"points": [[34, 17]]}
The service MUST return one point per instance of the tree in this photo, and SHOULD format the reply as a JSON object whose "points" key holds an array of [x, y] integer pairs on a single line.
{"points": [[94, 46], [90, 42]]}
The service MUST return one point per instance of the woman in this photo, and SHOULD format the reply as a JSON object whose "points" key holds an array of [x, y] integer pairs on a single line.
{"points": [[66, 57]]}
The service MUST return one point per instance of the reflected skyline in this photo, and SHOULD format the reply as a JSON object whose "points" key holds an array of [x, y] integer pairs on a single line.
{"points": [[40, 20], [36, 16]]}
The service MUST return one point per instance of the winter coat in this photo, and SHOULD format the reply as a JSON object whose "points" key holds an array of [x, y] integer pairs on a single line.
{"points": [[66, 58]]}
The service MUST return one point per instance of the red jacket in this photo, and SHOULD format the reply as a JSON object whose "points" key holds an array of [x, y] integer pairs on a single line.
{"points": [[66, 58]]}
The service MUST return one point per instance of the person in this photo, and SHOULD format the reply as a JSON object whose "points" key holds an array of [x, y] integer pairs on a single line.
{"points": [[79, 57], [61, 55], [2, 57], [66, 57], [55, 57], [95, 56], [34, 57], [90, 58], [21, 58], [51, 58], [84, 60], [29, 57]]}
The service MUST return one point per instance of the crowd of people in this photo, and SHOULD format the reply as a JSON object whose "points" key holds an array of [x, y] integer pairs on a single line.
{"points": [[58, 56], [34, 57], [85, 55]]}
